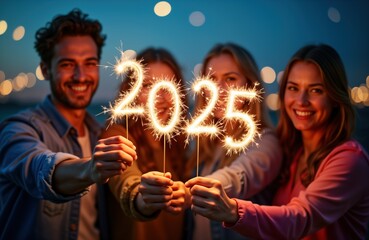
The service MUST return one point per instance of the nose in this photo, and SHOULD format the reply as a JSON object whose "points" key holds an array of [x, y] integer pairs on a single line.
{"points": [[222, 85], [303, 98], [79, 73], [222, 88]]}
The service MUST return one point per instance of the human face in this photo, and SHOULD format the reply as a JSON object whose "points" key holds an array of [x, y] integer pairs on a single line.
{"points": [[73, 72], [225, 72], [156, 71], [306, 99]]}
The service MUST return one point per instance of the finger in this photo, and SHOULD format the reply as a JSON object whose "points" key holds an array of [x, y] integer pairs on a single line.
{"points": [[168, 175], [116, 140], [116, 147], [177, 202], [200, 210], [155, 190], [174, 210], [203, 181], [114, 156], [203, 202], [156, 198], [153, 178]]}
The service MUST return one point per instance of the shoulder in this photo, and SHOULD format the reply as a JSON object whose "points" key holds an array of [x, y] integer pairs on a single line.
{"points": [[350, 148], [31, 116], [349, 156]]}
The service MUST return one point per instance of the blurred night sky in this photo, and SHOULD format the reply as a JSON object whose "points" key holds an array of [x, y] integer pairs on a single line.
{"points": [[271, 30]]}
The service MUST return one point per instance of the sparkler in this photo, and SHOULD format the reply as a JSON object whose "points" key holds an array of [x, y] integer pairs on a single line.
{"points": [[124, 105], [246, 119], [171, 126], [195, 128]]}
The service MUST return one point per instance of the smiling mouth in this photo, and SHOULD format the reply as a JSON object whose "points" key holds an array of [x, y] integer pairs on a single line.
{"points": [[303, 113], [79, 88]]}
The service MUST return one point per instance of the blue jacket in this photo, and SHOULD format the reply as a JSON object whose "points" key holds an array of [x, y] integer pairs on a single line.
{"points": [[32, 142]]}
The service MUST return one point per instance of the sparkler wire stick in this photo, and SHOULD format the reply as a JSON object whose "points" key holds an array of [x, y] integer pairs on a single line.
{"points": [[171, 127]]}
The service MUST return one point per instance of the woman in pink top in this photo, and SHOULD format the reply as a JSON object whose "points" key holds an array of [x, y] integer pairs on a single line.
{"points": [[324, 190]]}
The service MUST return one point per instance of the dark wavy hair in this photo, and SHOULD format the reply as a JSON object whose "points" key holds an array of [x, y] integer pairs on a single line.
{"points": [[342, 119], [75, 23]]}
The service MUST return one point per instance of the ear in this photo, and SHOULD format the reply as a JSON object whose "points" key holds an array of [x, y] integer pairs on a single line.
{"points": [[45, 70]]}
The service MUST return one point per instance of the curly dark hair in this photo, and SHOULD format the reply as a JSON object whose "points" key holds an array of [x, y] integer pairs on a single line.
{"points": [[75, 23]]}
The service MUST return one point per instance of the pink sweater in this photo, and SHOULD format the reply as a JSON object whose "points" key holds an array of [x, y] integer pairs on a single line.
{"points": [[334, 206]]}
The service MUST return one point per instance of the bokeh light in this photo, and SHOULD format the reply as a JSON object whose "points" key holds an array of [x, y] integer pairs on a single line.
{"points": [[18, 33], [268, 75], [39, 74], [272, 101], [6, 87], [197, 69], [129, 54], [162, 9], [279, 76], [334, 15], [31, 80], [3, 27], [197, 19], [19, 82]]}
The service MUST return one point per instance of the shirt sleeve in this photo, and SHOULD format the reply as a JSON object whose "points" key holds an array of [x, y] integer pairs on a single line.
{"points": [[124, 187], [335, 190], [28, 163], [254, 169]]}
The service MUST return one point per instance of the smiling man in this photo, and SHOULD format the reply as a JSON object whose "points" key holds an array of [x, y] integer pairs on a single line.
{"points": [[50, 155]]}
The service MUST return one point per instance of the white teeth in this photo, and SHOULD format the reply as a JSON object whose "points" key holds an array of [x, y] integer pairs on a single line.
{"points": [[79, 88], [303, 114]]}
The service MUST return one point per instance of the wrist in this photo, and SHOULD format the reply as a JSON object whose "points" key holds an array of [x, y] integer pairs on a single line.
{"points": [[143, 208], [233, 216]]}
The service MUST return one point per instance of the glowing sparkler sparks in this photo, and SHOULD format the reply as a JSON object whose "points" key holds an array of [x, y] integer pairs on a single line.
{"points": [[124, 105], [195, 128], [170, 126], [246, 119]]}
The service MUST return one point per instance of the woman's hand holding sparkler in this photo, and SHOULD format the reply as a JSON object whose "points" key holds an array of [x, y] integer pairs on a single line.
{"points": [[158, 192], [210, 200]]}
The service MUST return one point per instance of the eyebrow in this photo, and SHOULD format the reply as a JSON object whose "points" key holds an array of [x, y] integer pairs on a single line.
{"points": [[230, 73], [310, 85], [72, 60]]}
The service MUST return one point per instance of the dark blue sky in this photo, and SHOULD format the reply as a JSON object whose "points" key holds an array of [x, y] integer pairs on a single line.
{"points": [[271, 30]]}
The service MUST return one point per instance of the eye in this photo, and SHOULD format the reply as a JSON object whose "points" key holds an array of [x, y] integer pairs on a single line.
{"points": [[231, 79], [91, 63], [66, 65], [317, 90], [291, 88]]}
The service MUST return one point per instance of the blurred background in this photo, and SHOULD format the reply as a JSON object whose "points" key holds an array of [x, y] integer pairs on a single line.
{"points": [[271, 30]]}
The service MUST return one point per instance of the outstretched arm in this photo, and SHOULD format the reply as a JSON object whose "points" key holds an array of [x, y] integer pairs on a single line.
{"points": [[111, 157]]}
